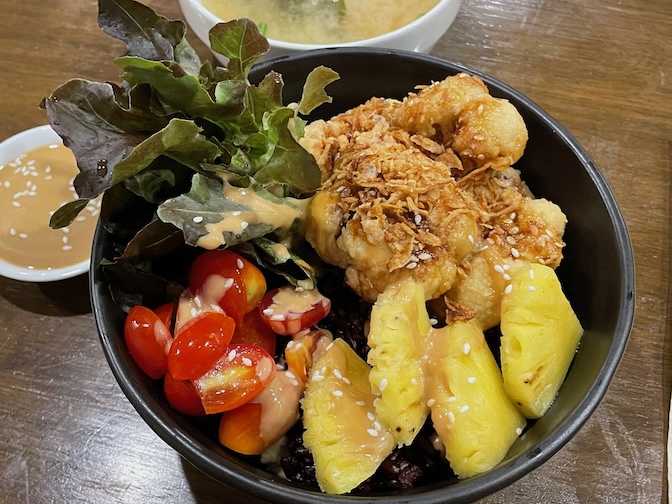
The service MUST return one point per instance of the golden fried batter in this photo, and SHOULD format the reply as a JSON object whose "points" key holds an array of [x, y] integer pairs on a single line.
{"points": [[424, 188]]}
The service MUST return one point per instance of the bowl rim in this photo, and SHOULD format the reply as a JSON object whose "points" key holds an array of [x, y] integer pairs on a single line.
{"points": [[378, 40], [276, 489], [25, 141]]}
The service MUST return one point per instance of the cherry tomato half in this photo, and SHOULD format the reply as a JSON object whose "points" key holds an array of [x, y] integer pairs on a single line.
{"points": [[148, 341], [288, 311], [215, 276], [199, 344], [236, 378], [166, 312], [182, 396], [255, 332]]}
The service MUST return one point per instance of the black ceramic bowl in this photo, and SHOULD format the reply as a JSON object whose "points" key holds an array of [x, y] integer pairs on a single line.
{"points": [[597, 274]]}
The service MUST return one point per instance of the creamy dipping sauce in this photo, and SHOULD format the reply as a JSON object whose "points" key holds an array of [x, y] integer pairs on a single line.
{"points": [[32, 187], [318, 22]]}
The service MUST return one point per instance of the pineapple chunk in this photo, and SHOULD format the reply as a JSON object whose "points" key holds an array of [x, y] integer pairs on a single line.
{"points": [[399, 325], [540, 334], [341, 431], [472, 414]]}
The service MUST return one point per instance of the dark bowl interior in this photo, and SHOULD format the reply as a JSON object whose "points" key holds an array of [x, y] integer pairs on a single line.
{"points": [[597, 275]]}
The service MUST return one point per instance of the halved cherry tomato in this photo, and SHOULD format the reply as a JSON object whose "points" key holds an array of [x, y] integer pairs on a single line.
{"points": [[166, 312], [215, 277], [199, 344], [148, 340], [255, 332], [276, 407], [255, 283], [239, 429], [236, 378], [182, 396], [300, 352], [288, 311]]}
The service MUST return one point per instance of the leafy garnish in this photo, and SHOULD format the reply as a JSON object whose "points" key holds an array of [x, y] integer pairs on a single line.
{"points": [[182, 148]]}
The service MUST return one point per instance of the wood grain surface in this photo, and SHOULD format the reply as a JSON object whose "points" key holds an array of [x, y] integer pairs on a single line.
{"points": [[603, 69]]}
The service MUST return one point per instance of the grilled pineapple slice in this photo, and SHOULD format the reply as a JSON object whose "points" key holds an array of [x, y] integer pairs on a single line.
{"points": [[473, 416], [399, 325], [341, 431], [540, 334]]}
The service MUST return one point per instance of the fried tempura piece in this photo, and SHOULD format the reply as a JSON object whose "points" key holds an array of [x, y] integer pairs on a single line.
{"points": [[423, 188], [458, 112]]}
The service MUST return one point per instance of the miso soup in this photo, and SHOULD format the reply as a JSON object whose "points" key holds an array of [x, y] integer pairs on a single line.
{"points": [[322, 21]]}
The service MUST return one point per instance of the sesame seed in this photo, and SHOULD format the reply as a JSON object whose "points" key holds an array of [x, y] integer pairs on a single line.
{"points": [[236, 213], [515, 253], [466, 348], [228, 283], [531, 288], [64, 239], [514, 230], [519, 431], [498, 268], [244, 225], [471, 239], [197, 219], [451, 417], [337, 393], [424, 256], [508, 289], [464, 409], [471, 379], [411, 265], [377, 426], [193, 311], [12, 232], [16, 204], [278, 316], [23, 235], [531, 274], [506, 277], [430, 402], [370, 416], [417, 219], [433, 321], [317, 377], [372, 432], [337, 373], [232, 354], [345, 380], [480, 109], [360, 403], [512, 215], [294, 382], [383, 384], [451, 399], [479, 138], [290, 375], [240, 263], [247, 361], [268, 311], [414, 381]]}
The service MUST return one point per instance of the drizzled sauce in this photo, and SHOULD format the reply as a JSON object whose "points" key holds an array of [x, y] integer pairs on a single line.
{"points": [[32, 187]]}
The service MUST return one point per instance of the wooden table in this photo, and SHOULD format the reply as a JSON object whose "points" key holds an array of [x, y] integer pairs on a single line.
{"points": [[603, 69]]}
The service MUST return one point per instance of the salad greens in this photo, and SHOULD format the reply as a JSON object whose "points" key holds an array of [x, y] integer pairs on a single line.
{"points": [[164, 144]]}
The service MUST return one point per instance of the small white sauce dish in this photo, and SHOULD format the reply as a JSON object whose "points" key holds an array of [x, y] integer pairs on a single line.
{"points": [[10, 149]]}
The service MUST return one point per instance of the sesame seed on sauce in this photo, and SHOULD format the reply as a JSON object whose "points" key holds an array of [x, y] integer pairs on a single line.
{"points": [[383, 384], [471, 379], [466, 348], [247, 361], [360, 403], [508, 289], [372, 432], [430, 402], [337, 393], [240, 263], [464, 408]]}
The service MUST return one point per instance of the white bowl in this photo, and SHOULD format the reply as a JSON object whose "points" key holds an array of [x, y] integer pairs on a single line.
{"points": [[418, 36], [10, 149]]}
